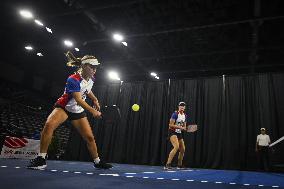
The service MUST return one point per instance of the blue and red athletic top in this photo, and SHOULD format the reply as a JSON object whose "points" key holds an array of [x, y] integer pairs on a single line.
{"points": [[75, 83], [180, 118]]}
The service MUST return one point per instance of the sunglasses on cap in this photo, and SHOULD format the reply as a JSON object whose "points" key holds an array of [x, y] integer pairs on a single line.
{"points": [[181, 104], [92, 66]]}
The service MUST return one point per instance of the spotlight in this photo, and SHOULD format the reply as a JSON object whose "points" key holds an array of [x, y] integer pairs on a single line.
{"points": [[153, 74], [26, 14], [29, 48], [117, 37], [113, 75], [68, 43], [38, 22]]}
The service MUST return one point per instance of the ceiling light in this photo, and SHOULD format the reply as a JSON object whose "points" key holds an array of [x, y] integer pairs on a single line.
{"points": [[113, 75], [48, 30], [68, 43], [38, 22], [29, 48], [153, 74], [117, 37], [26, 14]]}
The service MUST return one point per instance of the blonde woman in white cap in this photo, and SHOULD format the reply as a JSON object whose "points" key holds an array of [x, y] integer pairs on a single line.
{"points": [[71, 105], [176, 126], [262, 147]]}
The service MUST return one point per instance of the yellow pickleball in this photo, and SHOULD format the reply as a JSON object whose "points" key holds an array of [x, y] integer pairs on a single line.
{"points": [[135, 107]]}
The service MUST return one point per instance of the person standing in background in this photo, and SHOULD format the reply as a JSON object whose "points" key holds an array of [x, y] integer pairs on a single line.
{"points": [[262, 149]]}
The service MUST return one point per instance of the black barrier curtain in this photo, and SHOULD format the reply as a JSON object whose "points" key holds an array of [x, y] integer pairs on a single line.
{"points": [[251, 102], [229, 112]]}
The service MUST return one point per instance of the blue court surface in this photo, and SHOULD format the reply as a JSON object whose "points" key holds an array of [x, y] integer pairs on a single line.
{"points": [[70, 174]]}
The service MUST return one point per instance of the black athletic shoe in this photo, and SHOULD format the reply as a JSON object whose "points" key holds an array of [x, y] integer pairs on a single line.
{"points": [[37, 163], [102, 165], [168, 167]]}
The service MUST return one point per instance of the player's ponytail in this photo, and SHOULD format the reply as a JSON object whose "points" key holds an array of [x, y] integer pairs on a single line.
{"points": [[72, 60]]}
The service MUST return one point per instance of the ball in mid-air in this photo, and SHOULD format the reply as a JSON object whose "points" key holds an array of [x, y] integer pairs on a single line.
{"points": [[135, 107]]}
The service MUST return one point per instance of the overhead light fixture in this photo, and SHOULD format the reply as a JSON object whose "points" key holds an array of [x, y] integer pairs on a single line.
{"points": [[124, 43], [68, 43], [29, 48], [26, 14], [39, 54], [38, 22], [48, 30], [76, 49], [157, 77], [153, 74], [113, 75], [117, 37]]}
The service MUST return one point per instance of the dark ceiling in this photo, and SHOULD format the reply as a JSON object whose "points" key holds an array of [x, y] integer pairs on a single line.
{"points": [[175, 38]]}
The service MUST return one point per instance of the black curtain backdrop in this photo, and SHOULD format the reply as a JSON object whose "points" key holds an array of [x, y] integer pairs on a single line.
{"points": [[229, 112]]}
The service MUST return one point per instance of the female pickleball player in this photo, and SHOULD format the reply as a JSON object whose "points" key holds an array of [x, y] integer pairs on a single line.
{"points": [[176, 126], [71, 105]]}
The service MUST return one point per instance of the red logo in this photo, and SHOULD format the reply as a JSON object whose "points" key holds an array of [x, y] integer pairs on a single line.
{"points": [[14, 142]]}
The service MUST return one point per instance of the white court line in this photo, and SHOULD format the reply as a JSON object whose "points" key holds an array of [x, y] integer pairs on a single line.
{"points": [[174, 179], [187, 170], [129, 176], [115, 174]]}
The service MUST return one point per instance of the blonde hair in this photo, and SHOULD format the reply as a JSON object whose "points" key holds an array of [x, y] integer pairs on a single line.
{"points": [[76, 62], [72, 60]]}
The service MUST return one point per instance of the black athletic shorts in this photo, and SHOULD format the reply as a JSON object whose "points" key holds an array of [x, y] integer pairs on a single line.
{"points": [[179, 135], [72, 116]]}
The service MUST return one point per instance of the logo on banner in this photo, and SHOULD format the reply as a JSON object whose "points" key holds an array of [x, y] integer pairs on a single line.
{"points": [[20, 148], [13, 142]]}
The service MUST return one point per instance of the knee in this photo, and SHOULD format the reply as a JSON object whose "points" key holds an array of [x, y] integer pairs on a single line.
{"points": [[182, 150], [176, 147], [48, 127]]}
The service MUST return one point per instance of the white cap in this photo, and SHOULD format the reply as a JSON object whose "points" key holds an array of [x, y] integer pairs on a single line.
{"points": [[262, 128], [181, 103], [90, 60]]}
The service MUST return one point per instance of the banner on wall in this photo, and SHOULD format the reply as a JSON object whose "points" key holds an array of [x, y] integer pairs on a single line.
{"points": [[23, 148]]}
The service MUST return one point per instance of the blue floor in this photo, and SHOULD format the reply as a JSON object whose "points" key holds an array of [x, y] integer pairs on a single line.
{"points": [[67, 174]]}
